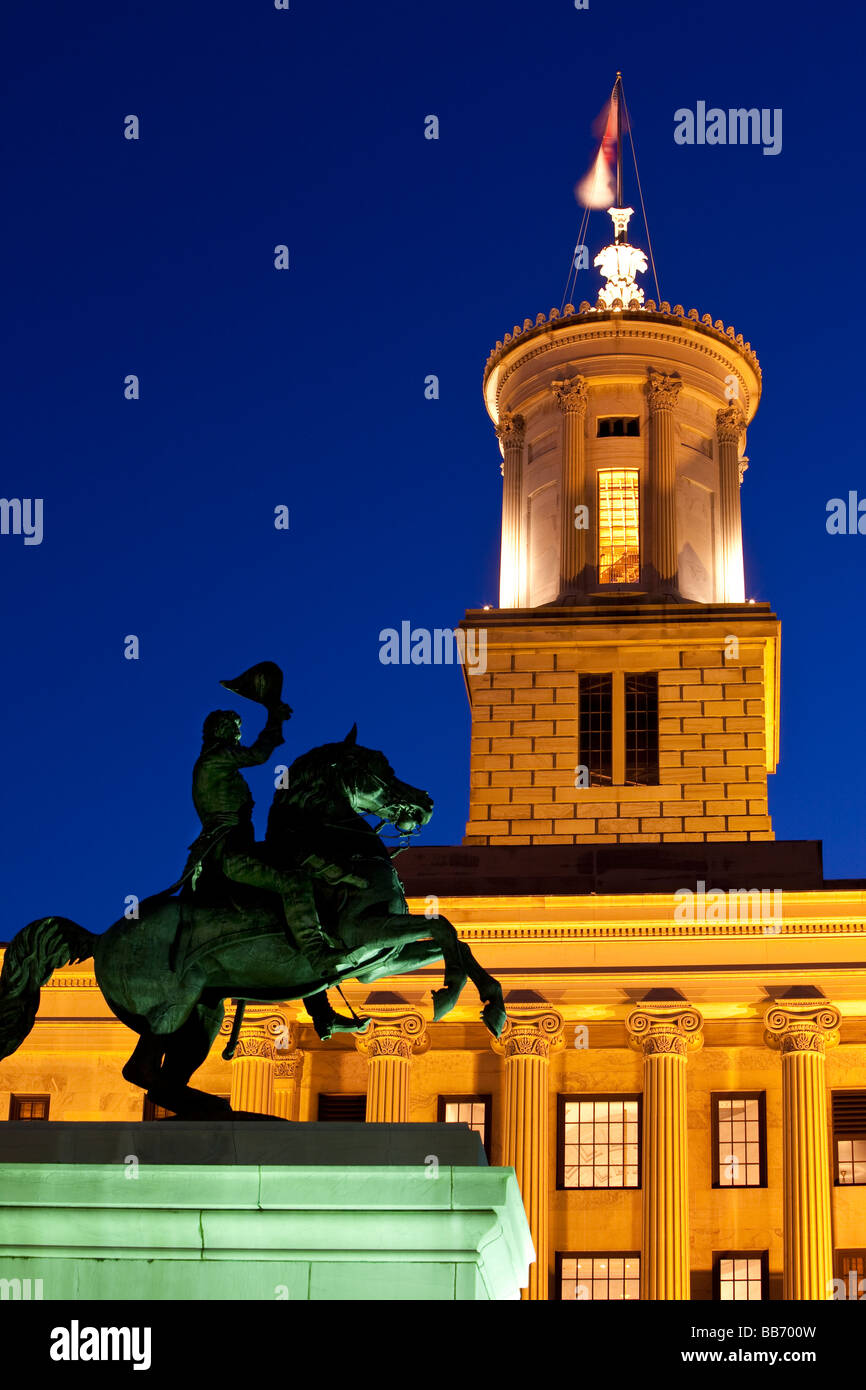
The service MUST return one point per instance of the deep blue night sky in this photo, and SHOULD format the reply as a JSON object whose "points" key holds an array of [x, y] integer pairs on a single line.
{"points": [[306, 387]]}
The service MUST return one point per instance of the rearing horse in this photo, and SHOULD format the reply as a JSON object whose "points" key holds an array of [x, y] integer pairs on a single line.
{"points": [[234, 938]]}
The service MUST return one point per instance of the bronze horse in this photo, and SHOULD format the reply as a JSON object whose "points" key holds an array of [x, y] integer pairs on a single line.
{"points": [[234, 942]]}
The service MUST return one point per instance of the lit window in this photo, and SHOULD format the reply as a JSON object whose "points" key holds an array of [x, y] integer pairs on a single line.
{"points": [[642, 730], [596, 728], [849, 1136], [739, 1151], [619, 526], [28, 1108], [599, 1142], [740, 1277], [473, 1111], [599, 1276]]}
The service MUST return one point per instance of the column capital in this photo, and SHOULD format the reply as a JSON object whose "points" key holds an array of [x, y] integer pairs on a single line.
{"points": [[399, 1035], [730, 423], [665, 1028], [802, 1025], [268, 1030], [663, 391], [534, 1034], [571, 395], [289, 1068], [511, 430]]}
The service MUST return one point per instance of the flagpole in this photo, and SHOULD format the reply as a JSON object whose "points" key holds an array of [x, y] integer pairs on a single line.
{"points": [[617, 89]]}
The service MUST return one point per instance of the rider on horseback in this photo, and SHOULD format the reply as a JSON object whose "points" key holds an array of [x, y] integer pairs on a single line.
{"points": [[227, 840]]}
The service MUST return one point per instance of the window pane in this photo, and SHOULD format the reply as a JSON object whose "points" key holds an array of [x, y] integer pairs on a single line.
{"points": [[642, 729], [618, 526], [596, 728]]}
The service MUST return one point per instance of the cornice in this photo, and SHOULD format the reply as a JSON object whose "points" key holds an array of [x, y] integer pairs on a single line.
{"points": [[628, 318]]}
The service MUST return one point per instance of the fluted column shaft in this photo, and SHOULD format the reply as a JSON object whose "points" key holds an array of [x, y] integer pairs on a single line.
{"points": [[287, 1077], [512, 432], [729, 426], [665, 1034], [267, 1033], [571, 399], [388, 1046], [802, 1033], [663, 393], [526, 1044]]}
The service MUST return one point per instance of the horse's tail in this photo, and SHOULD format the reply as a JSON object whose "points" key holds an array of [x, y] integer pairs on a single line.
{"points": [[31, 958]]}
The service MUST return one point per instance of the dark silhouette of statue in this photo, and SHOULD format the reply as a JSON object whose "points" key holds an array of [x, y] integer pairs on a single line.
{"points": [[317, 903]]}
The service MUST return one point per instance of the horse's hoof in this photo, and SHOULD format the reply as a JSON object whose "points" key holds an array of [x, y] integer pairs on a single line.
{"points": [[443, 1002], [363, 1025], [494, 1018]]}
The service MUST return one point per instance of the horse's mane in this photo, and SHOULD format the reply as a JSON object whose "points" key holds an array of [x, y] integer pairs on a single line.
{"points": [[316, 776]]}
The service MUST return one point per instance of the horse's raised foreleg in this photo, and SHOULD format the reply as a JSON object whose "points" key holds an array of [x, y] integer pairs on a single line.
{"points": [[490, 991]]}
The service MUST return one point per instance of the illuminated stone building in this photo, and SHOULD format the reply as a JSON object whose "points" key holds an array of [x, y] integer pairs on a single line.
{"points": [[681, 1088]]}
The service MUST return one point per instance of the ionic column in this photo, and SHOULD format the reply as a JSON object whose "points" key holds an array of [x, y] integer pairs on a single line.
{"points": [[512, 432], [802, 1030], [571, 399], [265, 1034], [526, 1044], [729, 426], [665, 1032], [287, 1077], [389, 1045], [663, 393]]}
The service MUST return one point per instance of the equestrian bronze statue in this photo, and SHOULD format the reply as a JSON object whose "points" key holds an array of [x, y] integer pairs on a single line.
{"points": [[317, 903]]}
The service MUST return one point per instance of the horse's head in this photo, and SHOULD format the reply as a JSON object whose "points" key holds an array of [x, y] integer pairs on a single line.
{"points": [[337, 773]]}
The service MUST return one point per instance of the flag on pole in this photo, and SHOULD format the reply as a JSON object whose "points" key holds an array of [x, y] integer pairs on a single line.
{"points": [[597, 189]]}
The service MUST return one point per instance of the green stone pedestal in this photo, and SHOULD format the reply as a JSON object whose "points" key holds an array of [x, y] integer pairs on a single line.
{"points": [[134, 1228]]}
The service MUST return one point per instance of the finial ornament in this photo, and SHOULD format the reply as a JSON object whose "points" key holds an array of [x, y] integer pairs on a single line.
{"points": [[619, 263]]}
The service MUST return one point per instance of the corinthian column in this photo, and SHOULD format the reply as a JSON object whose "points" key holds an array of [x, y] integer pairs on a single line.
{"points": [[663, 393], [729, 426], [802, 1030], [665, 1032], [512, 432], [389, 1045], [571, 399], [526, 1044]]}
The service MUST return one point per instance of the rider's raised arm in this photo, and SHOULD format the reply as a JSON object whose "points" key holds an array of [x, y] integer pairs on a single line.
{"points": [[270, 738]]}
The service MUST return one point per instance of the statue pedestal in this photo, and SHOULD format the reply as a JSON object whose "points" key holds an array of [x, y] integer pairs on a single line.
{"points": [[263, 1211]]}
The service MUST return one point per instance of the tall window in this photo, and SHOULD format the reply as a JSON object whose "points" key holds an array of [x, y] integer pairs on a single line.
{"points": [[28, 1108], [619, 526], [596, 728], [849, 1137], [740, 1276], [599, 1141], [642, 729], [597, 1275], [473, 1111], [739, 1139]]}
